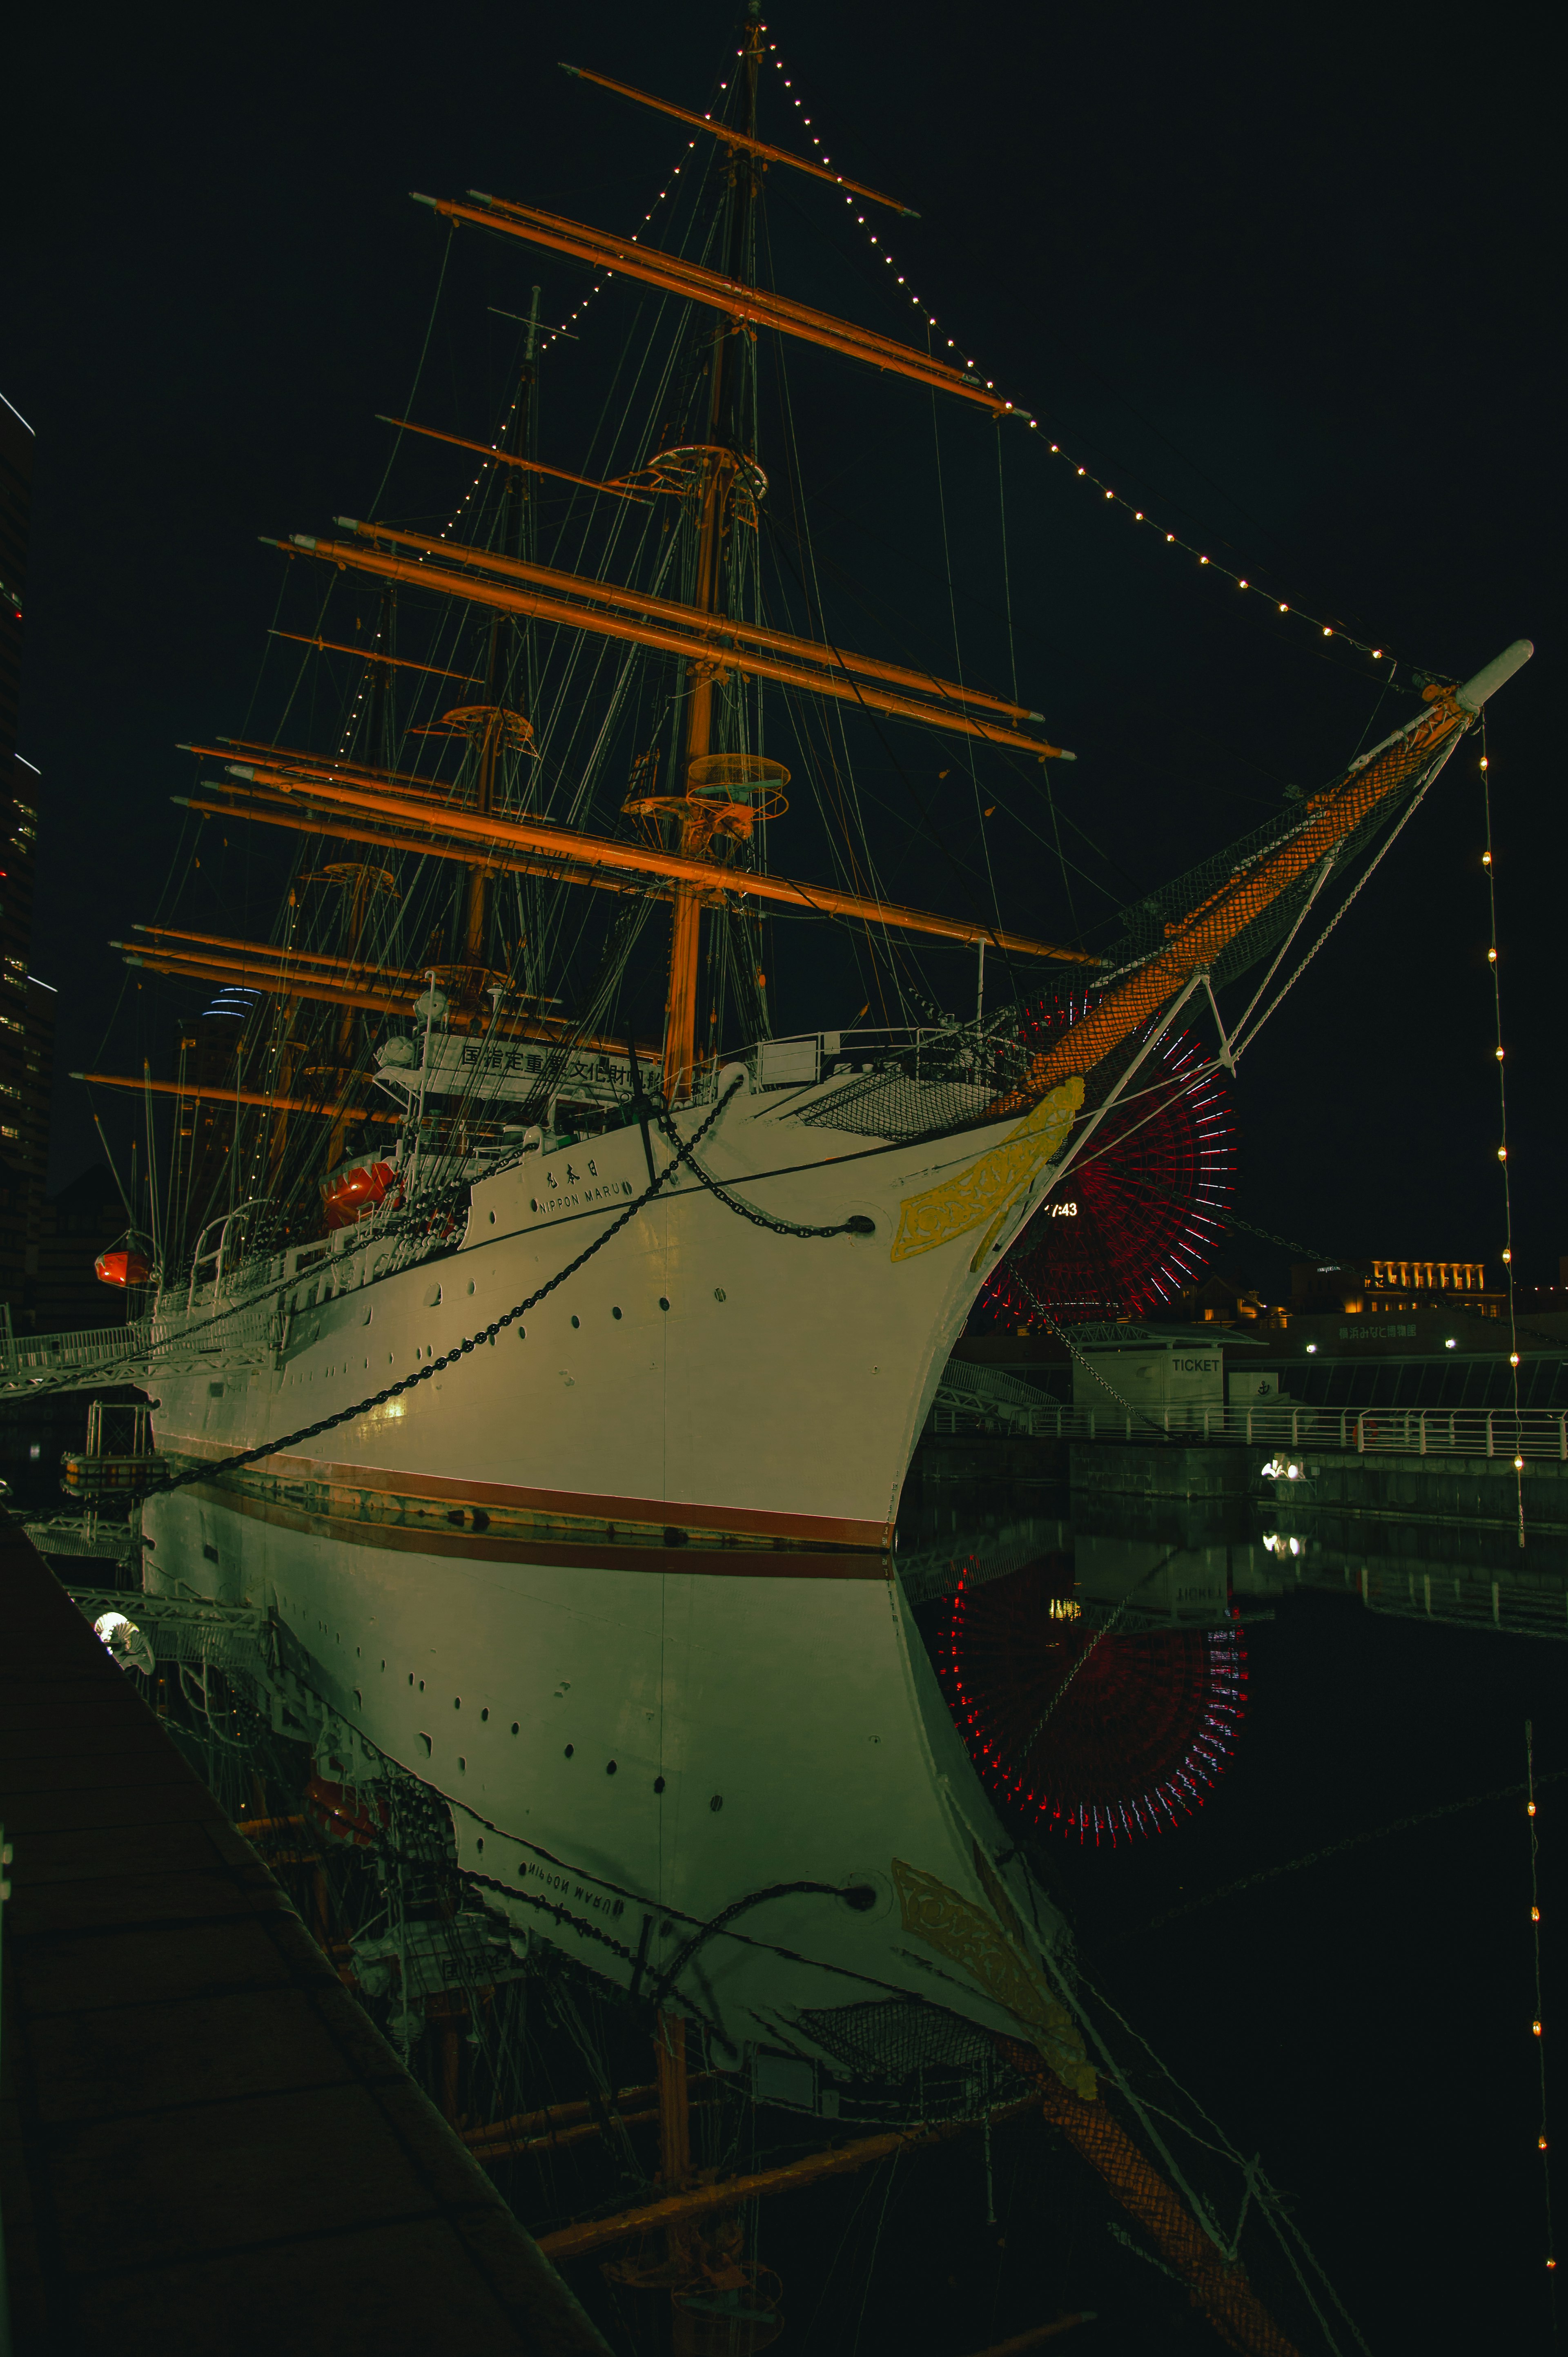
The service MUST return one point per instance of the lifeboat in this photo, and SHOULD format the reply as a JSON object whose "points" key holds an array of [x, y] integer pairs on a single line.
{"points": [[345, 1813], [123, 1263], [355, 1188]]}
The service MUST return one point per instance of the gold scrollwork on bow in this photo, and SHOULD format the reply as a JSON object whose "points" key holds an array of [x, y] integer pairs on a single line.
{"points": [[984, 1190], [973, 1941]]}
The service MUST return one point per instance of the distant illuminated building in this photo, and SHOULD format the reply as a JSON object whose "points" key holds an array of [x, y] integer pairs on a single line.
{"points": [[1382, 1288]]}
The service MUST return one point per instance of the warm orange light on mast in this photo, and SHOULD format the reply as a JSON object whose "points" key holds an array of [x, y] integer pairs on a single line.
{"points": [[722, 133], [686, 915], [298, 818], [342, 969], [721, 462], [1200, 938], [722, 634], [213, 1093], [254, 969], [704, 640], [366, 654], [750, 305], [510, 458], [430, 820]]}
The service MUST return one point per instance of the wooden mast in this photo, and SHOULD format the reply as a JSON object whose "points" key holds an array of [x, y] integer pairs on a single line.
{"points": [[732, 139], [316, 806], [738, 299], [721, 466], [610, 609]]}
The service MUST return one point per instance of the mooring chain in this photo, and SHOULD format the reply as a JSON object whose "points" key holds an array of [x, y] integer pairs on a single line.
{"points": [[858, 1226], [448, 1358]]}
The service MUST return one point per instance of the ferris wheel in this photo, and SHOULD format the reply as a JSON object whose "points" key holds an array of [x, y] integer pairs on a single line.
{"points": [[1142, 1213], [1096, 1734]]}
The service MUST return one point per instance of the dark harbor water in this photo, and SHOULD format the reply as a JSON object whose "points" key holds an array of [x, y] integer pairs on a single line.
{"points": [[1263, 1748], [1333, 1952]]}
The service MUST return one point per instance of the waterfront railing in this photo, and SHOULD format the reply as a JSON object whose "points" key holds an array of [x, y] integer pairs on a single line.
{"points": [[1532, 1434]]}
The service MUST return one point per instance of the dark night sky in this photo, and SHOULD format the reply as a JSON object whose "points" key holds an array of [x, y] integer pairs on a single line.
{"points": [[1285, 278], [1289, 289]]}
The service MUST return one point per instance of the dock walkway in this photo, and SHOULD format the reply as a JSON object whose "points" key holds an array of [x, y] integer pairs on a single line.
{"points": [[204, 2143]]}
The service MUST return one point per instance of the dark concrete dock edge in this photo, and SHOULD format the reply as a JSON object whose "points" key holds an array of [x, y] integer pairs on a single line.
{"points": [[204, 2144]]}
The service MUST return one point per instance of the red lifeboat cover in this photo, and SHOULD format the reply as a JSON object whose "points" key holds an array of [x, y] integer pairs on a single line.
{"points": [[346, 1814], [355, 1188], [122, 1265]]}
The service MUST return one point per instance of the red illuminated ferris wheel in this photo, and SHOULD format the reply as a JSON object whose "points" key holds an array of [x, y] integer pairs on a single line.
{"points": [[1097, 1735], [1142, 1213]]}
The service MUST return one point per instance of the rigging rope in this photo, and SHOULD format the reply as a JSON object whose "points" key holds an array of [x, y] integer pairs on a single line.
{"points": [[1270, 2206], [419, 371], [1007, 578], [1239, 1047], [1143, 1183], [1337, 1849]]}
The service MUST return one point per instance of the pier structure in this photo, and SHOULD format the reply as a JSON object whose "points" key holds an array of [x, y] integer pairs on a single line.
{"points": [[202, 2137]]}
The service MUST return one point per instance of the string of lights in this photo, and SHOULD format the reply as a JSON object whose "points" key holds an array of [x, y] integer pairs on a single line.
{"points": [[603, 279], [1488, 867], [1543, 2140], [606, 278], [548, 335], [883, 254], [1092, 481], [352, 722]]}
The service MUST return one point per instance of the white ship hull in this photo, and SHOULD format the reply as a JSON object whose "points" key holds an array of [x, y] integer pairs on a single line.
{"points": [[618, 1584]]}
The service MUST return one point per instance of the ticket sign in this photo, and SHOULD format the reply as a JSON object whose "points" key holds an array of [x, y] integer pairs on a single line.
{"points": [[1171, 1374]]}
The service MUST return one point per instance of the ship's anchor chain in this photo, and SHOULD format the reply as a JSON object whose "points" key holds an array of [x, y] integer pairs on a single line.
{"points": [[858, 1226]]}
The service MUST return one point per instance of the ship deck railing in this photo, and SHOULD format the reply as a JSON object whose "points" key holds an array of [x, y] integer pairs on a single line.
{"points": [[92, 1356], [1537, 1435], [31, 1360], [805, 1057]]}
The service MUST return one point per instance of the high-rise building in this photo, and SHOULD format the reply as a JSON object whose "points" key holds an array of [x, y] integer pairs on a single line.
{"points": [[27, 1006]]}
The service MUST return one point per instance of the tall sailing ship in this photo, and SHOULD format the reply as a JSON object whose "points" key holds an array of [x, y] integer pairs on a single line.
{"points": [[549, 1375]]}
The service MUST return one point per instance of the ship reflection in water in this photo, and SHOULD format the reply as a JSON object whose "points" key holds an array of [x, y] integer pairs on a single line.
{"points": [[1083, 1646]]}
